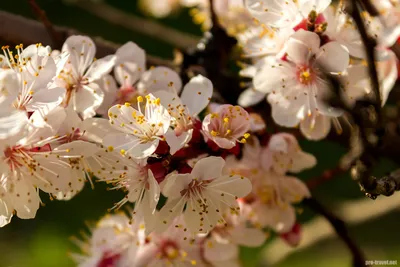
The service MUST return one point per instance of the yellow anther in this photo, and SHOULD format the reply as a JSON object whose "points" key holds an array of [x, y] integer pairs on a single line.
{"points": [[246, 135], [127, 104], [214, 115], [226, 119], [140, 99], [243, 141], [122, 151], [214, 133], [193, 262], [110, 148], [67, 150], [157, 101], [31, 92], [228, 131]]}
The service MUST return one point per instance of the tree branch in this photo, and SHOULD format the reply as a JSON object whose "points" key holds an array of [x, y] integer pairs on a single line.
{"points": [[141, 25], [41, 14], [17, 29], [340, 229]]}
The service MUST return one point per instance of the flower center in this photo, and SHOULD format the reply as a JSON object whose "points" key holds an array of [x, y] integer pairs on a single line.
{"points": [[169, 250], [126, 94], [13, 157], [109, 260], [195, 187], [305, 75]]}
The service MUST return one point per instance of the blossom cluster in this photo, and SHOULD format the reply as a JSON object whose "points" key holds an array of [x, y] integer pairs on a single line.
{"points": [[67, 121], [203, 178]]}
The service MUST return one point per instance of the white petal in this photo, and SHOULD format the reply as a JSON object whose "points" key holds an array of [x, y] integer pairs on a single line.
{"points": [[87, 100], [9, 88], [315, 127], [197, 94], [46, 98], [160, 78], [131, 145], [177, 142], [285, 113], [294, 189], [130, 64], [301, 46], [208, 168], [25, 199], [172, 209], [175, 184], [5, 213], [248, 237], [100, 67], [12, 123], [333, 57], [235, 185], [250, 97], [82, 51], [77, 149], [95, 129], [215, 251], [276, 72], [153, 192], [108, 85]]}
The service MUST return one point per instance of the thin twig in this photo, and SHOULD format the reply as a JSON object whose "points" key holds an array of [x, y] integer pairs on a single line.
{"points": [[147, 27], [340, 229], [41, 14], [17, 29]]}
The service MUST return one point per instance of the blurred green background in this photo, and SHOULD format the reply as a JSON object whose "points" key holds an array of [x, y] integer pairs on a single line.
{"points": [[45, 241]]}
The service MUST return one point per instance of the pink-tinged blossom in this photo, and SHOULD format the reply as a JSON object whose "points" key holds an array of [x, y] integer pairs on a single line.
{"points": [[222, 245], [25, 83], [80, 73], [206, 192], [27, 163], [142, 189], [227, 125], [296, 86], [173, 247], [283, 154], [140, 133], [270, 203], [114, 242], [184, 110]]}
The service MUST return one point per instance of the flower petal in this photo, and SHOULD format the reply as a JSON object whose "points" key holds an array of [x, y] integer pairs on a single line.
{"points": [[175, 184], [130, 64], [82, 51], [197, 94], [316, 126], [301, 46], [208, 168], [100, 67], [160, 78], [333, 57], [250, 97]]}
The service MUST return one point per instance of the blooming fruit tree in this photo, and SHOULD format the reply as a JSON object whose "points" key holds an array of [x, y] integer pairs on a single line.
{"points": [[205, 163]]}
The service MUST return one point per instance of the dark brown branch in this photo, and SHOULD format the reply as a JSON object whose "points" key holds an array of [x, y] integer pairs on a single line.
{"points": [[341, 230], [41, 14], [17, 29], [369, 43]]}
